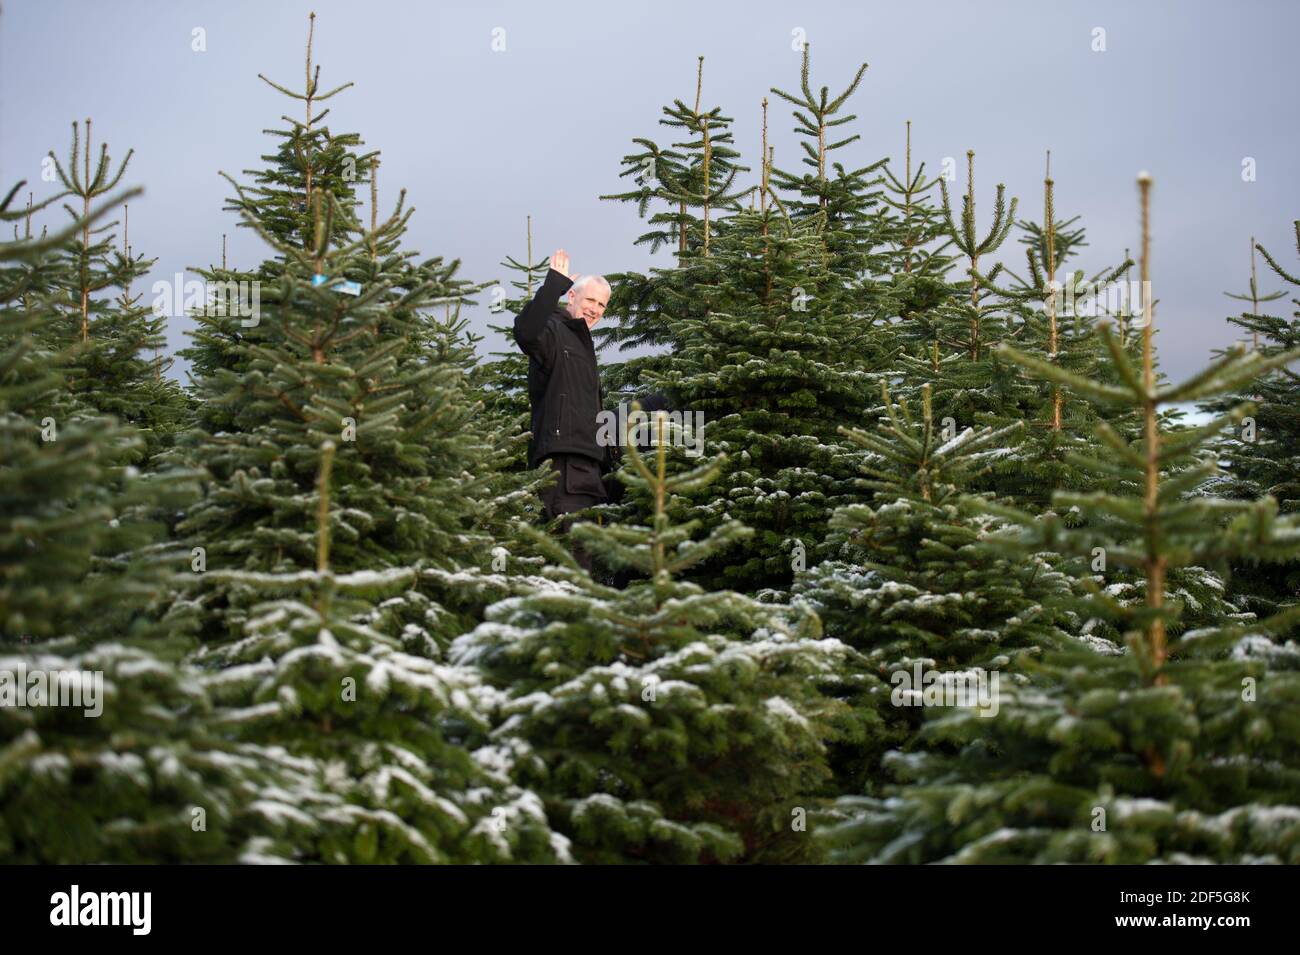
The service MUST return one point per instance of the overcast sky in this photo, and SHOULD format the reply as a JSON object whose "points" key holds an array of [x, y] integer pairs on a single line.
{"points": [[481, 138]]}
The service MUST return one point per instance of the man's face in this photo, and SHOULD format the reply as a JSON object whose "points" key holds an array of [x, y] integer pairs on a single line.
{"points": [[589, 304]]}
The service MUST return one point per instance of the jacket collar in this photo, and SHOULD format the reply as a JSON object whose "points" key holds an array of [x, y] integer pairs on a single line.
{"points": [[577, 324]]}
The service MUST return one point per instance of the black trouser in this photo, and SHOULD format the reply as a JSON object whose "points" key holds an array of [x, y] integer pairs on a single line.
{"points": [[578, 485]]}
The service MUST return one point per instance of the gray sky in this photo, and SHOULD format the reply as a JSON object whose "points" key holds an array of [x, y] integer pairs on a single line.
{"points": [[480, 139]]}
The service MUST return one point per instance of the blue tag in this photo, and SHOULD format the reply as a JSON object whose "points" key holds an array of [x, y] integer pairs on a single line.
{"points": [[351, 288]]}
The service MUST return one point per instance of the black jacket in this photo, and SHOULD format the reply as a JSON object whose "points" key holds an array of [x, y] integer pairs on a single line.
{"points": [[563, 381]]}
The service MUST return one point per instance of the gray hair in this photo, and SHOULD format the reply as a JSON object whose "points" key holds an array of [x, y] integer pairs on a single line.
{"points": [[585, 280]]}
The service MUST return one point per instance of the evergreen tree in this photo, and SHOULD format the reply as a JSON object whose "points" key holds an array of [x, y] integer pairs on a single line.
{"points": [[117, 368], [339, 346], [319, 673], [81, 548], [1180, 749], [916, 240], [144, 780], [695, 182], [663, 722], [505, 381], [912, 584], [1052, 319], [775, 367], [1254, 296], [950, 346], [104, 752], [783, 350], [848, 203], [1262, 455]]}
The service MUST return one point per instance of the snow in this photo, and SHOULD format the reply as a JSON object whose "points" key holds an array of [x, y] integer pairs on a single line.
{"points": [[1126, 808], [782, 708], [281, 813]]}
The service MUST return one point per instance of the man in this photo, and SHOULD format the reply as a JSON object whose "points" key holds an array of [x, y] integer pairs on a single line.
{"points": [[564, 389]]}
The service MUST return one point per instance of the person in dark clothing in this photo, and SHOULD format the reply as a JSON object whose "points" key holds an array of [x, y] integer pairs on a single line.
{"points": [[564, 391]]}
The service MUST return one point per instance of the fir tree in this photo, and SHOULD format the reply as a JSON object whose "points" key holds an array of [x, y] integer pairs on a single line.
{"points": [[1180, 749], [663, 722], [318, 673], [950, 346], [1254, 296], [775, 367], [80, 544], [104, 752], [848, 203], [1051, 318], [145, 779], [912, 584], [164, 408], [694, 180], [1262, 455], [118, 366], [341, 347], [783, 350], [917, 260], [505, 381]]}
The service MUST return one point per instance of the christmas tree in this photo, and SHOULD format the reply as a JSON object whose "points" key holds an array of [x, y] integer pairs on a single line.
{"points": [[505, 380], [916, 243], [324, 671], [1260, 454], [1054, 319], [118, 368], [104, 752], [1181, 748], [786, 349], [332, 340], [662, 722], [80, 542], [772, 371], [911, 585], [848, 203], [691, 183]]}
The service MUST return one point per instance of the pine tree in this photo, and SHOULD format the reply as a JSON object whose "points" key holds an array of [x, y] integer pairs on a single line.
{"points": [[916, 239], [117, 369], [319, 673], [1262, 456], [912, 584], [663, 722], [340, 346], [775, 367], [104, 753], [695, 182], [1180, 749]]}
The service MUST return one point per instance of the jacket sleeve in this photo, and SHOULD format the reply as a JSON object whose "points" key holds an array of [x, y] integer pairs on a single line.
{"points": [[532, 333]]}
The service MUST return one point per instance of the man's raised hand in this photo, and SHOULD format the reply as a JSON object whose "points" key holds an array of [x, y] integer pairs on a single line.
{"points": [[560, 262]]}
